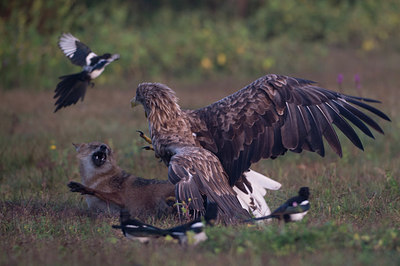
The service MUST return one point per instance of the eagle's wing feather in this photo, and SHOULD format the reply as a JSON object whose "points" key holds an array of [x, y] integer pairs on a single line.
{"points": [[275, 114], [197, 172]]}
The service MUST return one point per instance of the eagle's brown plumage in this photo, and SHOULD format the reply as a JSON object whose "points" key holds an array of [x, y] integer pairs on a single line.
{"points": [[208, 150]]}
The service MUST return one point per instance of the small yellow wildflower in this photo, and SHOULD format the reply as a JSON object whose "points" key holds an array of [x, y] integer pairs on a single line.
{"points": [[365, 238], [53, 147], [240, 50], [268, 63], [221, 59], [168, 238], [206, 32], [379, 244], [206, 63], [368, 45]]}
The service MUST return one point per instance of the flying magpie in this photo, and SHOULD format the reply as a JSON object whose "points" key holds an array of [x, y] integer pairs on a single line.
{"points": [[72, 87], [194, 230], [294, 209]]}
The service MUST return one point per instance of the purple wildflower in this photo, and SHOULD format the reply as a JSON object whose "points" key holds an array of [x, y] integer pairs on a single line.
{"points": [[340, 78], [357, 82], [340, 81]]}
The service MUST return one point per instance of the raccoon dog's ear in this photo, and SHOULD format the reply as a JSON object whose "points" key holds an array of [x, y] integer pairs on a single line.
{"points": [[77, 146]]}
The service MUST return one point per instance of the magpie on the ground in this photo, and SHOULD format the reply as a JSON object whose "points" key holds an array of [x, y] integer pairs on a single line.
{"points": [[294, 209], [72, 87], [135, 229], [193, 230]]}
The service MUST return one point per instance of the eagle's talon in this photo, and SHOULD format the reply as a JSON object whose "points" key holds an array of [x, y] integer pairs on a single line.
{"points": [[148, 148], [143, 136]]}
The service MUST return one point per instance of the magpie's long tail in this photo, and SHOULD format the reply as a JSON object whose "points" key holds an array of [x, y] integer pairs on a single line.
{"points": [[70, 89], [260, 218], [135, 228]]}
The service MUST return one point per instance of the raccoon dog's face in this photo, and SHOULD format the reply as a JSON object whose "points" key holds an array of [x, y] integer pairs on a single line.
{"points": [[99, 157], [95, 158]]}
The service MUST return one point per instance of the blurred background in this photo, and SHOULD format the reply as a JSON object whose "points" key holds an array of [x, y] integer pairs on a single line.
{"points": [[191, 40]]}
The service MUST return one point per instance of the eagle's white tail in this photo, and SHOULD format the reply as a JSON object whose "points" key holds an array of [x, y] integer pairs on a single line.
{"points": [[254, 201]]}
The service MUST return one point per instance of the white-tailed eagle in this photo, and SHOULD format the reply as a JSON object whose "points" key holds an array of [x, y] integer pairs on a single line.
{"points": [[208, 151]]}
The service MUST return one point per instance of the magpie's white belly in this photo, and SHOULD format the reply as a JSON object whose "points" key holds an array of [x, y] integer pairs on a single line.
{"points": [[137, 238], [298, 216], [200, 237], [95, 73]]}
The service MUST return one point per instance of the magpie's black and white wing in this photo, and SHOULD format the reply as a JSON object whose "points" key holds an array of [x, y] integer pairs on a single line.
{"points": [[198, 176], [275, 114], [78, 52]]}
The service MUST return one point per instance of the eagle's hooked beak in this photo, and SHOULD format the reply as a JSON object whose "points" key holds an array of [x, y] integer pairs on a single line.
{"points": [[134, 103]]}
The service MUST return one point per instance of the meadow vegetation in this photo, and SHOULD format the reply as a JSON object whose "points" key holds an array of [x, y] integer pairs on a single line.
{"points": [[186, 40], [204, 52]]}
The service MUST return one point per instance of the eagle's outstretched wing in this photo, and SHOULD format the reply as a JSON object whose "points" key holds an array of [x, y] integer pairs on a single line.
{"points": [[275, 114], [197, 173]]}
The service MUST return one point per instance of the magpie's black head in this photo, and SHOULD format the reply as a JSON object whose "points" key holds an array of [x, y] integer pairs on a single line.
{"points": [[100, 156], [124, 216], [304, 192], [106, 56]]}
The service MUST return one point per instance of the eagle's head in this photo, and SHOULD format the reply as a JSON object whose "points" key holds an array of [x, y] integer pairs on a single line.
{"points": [[158, 100]]}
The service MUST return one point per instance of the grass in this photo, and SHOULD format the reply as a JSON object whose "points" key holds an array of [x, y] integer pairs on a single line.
{"points": [[191, 39], [354, 218]]}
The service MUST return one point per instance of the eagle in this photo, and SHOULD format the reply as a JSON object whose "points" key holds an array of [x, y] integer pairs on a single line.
{"points": [[209, 151]]}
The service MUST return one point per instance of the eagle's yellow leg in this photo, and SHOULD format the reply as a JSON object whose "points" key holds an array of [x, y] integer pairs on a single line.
{"points": [[143, 136], [147, 139], [148, 148]]}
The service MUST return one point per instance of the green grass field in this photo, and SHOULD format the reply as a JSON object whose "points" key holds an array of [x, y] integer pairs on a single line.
{"points": [[355, 215]]}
